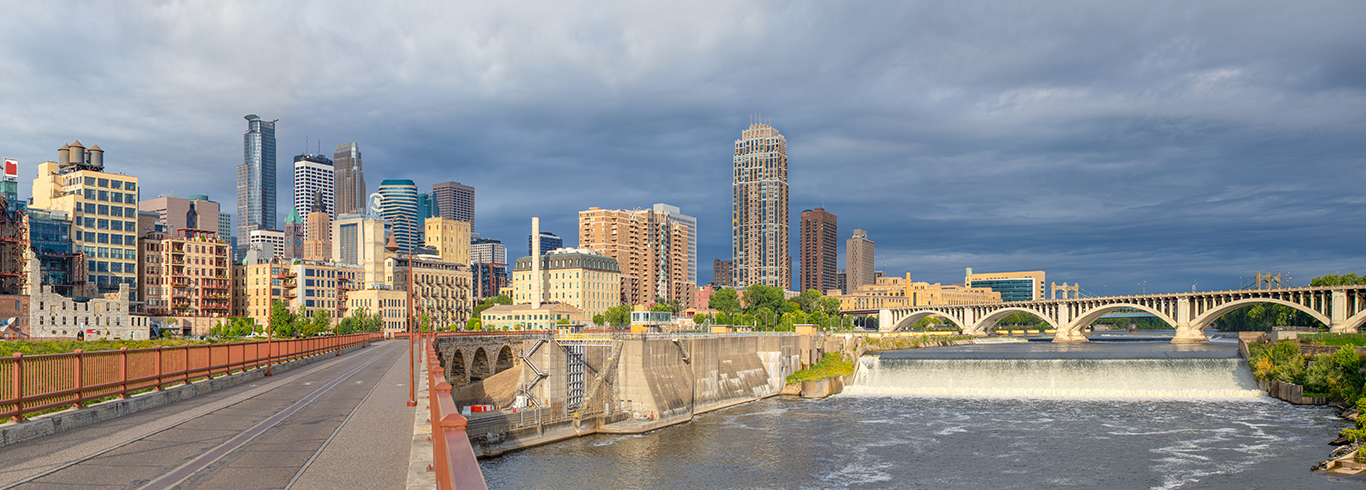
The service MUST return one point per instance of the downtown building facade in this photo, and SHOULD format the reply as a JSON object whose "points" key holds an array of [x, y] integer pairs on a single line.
{"points": [[314, 184], [256, 182], [649, 247], [759, 209], [820, 242], [349, 181], [186, 278], [455, 201]]}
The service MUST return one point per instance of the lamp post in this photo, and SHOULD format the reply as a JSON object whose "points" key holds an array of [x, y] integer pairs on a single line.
{"points": [[392, 246]]}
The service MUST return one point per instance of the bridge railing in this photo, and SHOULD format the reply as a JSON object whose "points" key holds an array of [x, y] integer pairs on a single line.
{"points": [[34, 384], [453, 458]]}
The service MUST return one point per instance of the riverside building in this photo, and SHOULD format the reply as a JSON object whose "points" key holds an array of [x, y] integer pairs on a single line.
{"points": [[583, 279], [1013, 286], [650, 248]]}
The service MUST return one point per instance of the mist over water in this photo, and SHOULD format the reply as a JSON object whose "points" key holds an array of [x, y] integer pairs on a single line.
{"points": [[1137, 419]]}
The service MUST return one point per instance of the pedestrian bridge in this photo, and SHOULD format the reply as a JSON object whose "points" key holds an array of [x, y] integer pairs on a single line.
{"points": [[1342, 308]]}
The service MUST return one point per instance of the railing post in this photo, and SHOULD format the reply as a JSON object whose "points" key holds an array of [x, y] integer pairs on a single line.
{"points": [[123, 372], [80, 378], [18, 387], [158, 356], [209, 363], [186, 373]]}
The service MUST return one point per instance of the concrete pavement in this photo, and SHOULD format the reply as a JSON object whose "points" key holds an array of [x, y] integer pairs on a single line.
{"points": [[342, 423]]}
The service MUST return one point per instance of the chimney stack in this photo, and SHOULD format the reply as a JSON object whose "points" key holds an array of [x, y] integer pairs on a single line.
{"points": [[535, 263]]}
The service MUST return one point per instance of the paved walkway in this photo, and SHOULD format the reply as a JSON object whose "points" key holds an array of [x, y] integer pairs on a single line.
{"points": [[341, 423]]}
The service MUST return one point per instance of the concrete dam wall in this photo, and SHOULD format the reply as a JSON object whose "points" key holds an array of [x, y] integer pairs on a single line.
{"points": [[582, 385]]}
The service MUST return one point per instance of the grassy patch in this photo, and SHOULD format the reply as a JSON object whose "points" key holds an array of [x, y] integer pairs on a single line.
{"points": [[833, 364], [910, 341], [1334, 339]]}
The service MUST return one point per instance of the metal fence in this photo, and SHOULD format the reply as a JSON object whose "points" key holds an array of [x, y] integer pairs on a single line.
{"points": [[33, 384], [453, 458]]}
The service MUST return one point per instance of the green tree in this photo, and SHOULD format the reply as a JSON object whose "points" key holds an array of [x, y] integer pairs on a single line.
{"points": [[597, 319], [831, 306], [562, 321], [760, 296], [725, 299], [618, 316], [474, 324], [1350, 279], [282, 320], [661, 304], [809, 301]]}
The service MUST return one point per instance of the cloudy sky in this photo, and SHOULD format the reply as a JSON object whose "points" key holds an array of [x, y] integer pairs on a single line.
{"points": [[1108, 143]]}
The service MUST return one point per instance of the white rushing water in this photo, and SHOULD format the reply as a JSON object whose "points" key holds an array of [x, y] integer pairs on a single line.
{"points": [[1056, 378]]}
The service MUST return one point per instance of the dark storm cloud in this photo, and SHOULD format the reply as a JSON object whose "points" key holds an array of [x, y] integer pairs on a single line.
{"points": [[1107, 144]]}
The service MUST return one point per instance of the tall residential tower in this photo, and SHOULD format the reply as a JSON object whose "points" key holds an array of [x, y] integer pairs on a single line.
{"points": [[759, 229], [819, 255], [256, 197]]}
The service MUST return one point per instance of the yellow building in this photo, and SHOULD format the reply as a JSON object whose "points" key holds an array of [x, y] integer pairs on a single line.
{"points": [[450, 238], [304, 285], [391, 305], [103, 208], [580, 278], [895, 292], [524, 317], [1013, 286]]}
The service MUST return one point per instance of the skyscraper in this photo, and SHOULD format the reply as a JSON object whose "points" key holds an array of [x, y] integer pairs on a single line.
{"points": [[858, 261], [399, 197], [314, 184], [759, 229], [691, 223], [349, 180], [256, 188], [819, 250], [426, 207], [455, 201]]}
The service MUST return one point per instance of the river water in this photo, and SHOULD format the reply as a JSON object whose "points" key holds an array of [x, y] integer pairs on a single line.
{"points": [[1026, 415]]}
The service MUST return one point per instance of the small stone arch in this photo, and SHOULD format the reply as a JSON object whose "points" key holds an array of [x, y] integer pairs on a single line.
{"points": [[455, 369], [1210, 316], [505, 360], [916, 316], [479, 366], [988, 322]]}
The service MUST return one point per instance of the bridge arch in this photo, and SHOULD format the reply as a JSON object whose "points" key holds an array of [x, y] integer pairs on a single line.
{"points": [[1091, 315], [988, 322], [504, 360], [918, 315], [479, 367], [1208, 317], [1352, 325], [456, 373]]}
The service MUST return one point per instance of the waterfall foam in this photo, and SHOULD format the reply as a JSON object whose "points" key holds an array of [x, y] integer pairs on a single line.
{"points": [[1056, 378]]}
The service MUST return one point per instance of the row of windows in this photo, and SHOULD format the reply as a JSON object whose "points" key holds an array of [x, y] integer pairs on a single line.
{"points": [[107, 238], [107, 183], [107, 210], [110, 224], [107, 196]]}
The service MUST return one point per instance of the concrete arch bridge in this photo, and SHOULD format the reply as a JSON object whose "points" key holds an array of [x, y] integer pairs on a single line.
{"points": [[1342, 308]]}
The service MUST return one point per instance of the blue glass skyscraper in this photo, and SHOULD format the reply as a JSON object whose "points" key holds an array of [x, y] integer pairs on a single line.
{"points": [[399, 196], [256, 187]]}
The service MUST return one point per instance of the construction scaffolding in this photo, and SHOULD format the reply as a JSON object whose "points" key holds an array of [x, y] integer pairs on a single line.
{"points": [[13, 245]]}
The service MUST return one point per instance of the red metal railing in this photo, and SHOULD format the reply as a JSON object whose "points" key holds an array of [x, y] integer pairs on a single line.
{"points": [[453, 458], [31, 384]]}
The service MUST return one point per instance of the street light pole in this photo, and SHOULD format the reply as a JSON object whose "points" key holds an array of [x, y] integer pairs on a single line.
{"points": [[392, 246]]}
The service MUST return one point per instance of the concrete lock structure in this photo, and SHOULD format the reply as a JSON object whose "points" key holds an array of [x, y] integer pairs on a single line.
{"points": [[1341, 308]]}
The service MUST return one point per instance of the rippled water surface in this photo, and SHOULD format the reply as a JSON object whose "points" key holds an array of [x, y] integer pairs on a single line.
{"points": [[899, 440]]}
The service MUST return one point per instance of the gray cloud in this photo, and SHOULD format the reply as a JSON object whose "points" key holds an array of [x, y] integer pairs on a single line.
{"points": [[1108, 144]]}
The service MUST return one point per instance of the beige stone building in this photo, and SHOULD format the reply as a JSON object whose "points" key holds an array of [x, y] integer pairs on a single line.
{"points": [[650, 249], [443, 290], [391, 305], [450, 238], [109, 316], [305, 286], [895, 292], [579, 278]]}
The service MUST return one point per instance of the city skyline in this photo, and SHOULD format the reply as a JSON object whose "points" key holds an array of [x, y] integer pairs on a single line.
{"points": [[1191, 151]]}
